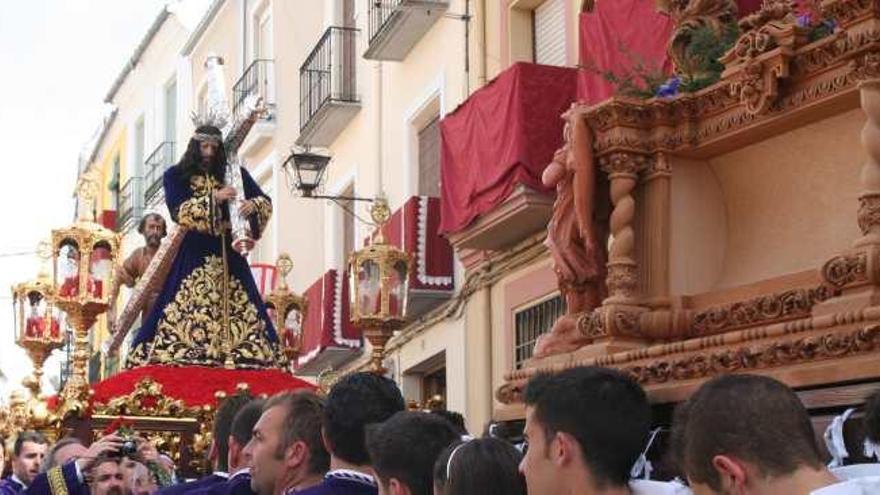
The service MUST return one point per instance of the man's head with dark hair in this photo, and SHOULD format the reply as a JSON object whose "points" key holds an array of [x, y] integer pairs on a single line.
{"points": [[404, 448], [241, 433], [28, 454], [872, 417], [65, 449], [742, 433], [286, 450], [105, 476], [454, 418], [355, 401], [585, 428], [152, 227], [223, 419], [484, 466]]}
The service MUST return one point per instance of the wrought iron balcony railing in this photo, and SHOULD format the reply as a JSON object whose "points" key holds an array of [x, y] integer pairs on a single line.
{"points": [[131, 204], [257, 80], [397, 25], [379, 13], [160, 160], [328, 74]]}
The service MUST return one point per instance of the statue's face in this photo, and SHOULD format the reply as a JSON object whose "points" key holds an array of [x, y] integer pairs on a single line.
{"points": [[208, 150], [154, 231]]}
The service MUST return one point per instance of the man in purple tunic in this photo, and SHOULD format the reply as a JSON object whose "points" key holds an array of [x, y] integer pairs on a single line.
{"points": [[27, 456], [354, 403]]}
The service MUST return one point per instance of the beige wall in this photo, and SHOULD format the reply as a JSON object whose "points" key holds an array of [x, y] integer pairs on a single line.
{"points": [[698, 219], [791, 201]]}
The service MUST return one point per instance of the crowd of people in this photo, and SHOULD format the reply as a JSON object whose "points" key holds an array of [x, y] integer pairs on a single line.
{"points": [[587, 431]]}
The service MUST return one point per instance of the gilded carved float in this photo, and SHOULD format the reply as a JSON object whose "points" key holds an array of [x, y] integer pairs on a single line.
{"points": [[775, 79]]}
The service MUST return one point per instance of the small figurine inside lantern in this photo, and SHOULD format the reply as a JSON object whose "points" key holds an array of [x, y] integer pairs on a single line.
{"points": [[369, 281], [35, 323], [293, 320], [100, 269], [67, 269]]}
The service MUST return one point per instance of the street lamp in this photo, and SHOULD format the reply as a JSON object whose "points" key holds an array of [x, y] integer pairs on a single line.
{"points": [[379, 278], [84, 255], [304, 171], [290, 311]]}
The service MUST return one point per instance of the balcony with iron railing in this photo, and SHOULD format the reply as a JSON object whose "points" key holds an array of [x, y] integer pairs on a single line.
{"points": [[256, 81], [328, 87], [131, 204], [161, 159], [397, 25]]}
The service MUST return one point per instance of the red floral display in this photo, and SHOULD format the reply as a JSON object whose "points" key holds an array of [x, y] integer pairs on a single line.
{"points": [[196, 385], [119, 424]]}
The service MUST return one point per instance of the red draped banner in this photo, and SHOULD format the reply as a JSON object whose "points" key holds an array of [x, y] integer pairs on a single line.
{"points": [[503, 135]]}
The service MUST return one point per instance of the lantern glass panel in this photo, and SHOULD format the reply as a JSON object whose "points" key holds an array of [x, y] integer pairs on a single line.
{"points": [[397, 289], [40, 322], [100, 270], [67, 269], [293, 321], [270, 310], [369, 280]]}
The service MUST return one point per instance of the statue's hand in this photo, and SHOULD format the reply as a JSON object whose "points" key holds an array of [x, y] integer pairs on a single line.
{"points": [[109, 348]]}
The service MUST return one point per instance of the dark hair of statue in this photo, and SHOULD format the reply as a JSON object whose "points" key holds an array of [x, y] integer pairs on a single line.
{"points": [[155, 216], [190, 163]]}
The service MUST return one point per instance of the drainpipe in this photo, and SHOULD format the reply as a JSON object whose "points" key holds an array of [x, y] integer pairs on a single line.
{"points": [[380, 190], [481, 74], [244, 36]]}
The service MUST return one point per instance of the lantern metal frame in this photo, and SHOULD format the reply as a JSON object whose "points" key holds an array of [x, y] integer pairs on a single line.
{"points": [[284, 301], [83, 307], [379, 326], [38, 347]]}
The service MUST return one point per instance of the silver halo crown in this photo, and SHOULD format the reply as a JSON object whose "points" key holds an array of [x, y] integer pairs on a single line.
{"points": [[208, 118]]}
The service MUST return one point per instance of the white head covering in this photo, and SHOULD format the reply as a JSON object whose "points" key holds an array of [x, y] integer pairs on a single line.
{"points": [[650, 487], [642, 467], [834, 440]]}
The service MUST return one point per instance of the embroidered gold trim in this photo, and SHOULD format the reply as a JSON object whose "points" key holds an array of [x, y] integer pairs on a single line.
{"points": [[190, 331], [263, 212], [197, 213], [56, 481]]}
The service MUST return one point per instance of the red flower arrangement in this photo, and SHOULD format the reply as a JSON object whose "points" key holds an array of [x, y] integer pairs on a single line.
{"points": [[120, 426]]}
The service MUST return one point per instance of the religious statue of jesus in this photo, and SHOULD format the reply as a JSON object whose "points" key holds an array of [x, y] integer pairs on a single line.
{"points": [[209, 311]]}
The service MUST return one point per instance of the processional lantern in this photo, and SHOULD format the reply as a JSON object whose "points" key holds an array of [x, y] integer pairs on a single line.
{"points": [[379, 285], [84, 256], [38, 328], [304, 171], [289, 311]]}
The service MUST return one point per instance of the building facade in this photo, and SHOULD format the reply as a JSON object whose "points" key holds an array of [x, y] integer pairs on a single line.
{"points": [[369, 83]]}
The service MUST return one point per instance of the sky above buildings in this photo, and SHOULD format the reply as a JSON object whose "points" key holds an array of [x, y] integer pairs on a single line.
{"points": [[59, 59]]}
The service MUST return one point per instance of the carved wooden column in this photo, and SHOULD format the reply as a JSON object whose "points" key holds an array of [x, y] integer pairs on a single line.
{"points": [[654, 230], [868, 69], [623, 172], [856, 273]]}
